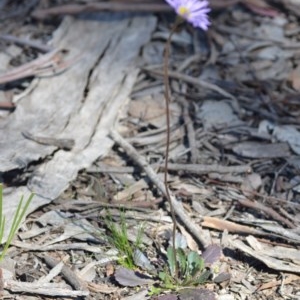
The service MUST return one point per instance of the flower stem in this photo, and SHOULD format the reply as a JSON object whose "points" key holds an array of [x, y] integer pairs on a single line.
{"points": [[167, 101]]}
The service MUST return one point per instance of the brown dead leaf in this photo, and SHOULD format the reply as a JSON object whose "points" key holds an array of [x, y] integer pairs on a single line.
{"points": [[101, 288], [109, 270], [294, 78], [290, 278], [152, 110], [190, 188], [223, 3], [128, 193], [251, 182], [189, 239], [219, 224], [261, 7]]}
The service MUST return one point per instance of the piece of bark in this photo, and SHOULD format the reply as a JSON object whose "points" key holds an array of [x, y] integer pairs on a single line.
{"points": [[269, 211], [263, 256], [68, 274], [80, 104], [46, 289], [259, 150]]}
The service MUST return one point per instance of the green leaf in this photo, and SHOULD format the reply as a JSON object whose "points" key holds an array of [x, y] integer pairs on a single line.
{"points": [[167, 280], [203, 277], [195, 263], [182, 261], [154, 291], [171, 261], [162, 276]]}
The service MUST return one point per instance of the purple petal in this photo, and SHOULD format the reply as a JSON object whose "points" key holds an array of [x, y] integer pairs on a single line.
{"points": [[173, 3], [197, 11]]}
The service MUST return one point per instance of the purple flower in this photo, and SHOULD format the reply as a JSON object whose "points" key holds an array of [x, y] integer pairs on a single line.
{"points": [[194, 11]]}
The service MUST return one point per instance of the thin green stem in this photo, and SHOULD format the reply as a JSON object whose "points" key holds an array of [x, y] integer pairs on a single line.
{"points": [[167, 100]]}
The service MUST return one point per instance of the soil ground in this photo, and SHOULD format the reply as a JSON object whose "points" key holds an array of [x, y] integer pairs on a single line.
{"points": [[83, 126]]}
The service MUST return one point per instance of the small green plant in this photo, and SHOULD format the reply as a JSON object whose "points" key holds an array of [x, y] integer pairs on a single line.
{"points": [[119, 238], [18, 217], [191, 271]]}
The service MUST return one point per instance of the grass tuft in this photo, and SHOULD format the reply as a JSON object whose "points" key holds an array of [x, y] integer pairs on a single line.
{"points": [[119, 239], [18, 217]]}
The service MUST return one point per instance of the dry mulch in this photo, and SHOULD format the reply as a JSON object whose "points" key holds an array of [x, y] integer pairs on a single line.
{"points": [[69, 120]]}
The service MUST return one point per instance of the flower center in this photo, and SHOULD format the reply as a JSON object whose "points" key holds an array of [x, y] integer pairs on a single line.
{"points": [[183, 11]]}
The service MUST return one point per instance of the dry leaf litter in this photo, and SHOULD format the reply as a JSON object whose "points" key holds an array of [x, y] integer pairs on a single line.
{"points": [[234, 157]]}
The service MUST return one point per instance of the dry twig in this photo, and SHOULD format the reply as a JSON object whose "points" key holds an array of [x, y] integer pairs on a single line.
{"points": [[25, 42], [74, 9], [178, 208], [195, 81], [205, 169], [50, 62], [267, 210], [191, 168], [58, 247]]}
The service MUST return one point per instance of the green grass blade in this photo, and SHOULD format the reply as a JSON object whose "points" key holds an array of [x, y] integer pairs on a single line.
{"points": [[119, 238], [18, 217], [2, 219], [2, 230]]}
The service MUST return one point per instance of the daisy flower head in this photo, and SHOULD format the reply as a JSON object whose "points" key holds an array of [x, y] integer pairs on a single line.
{"points": [[194, 11]]}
